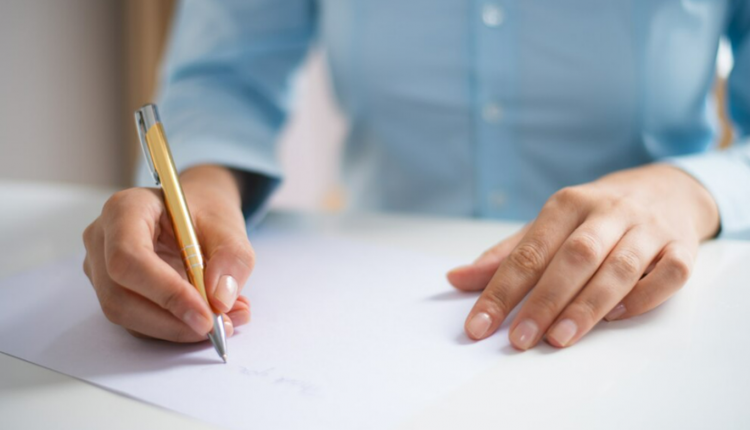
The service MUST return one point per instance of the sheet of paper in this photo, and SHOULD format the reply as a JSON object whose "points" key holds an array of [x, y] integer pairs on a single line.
{"points": [[344, 335]]}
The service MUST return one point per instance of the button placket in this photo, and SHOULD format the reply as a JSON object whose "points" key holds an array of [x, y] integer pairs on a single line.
{"points": [[492, 15], [492, 112]]}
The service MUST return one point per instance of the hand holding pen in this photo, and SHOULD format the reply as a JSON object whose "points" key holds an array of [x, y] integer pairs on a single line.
{"points": [[136, 266]]}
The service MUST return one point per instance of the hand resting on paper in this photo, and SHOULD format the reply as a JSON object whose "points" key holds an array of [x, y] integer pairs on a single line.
{"points": [[585, 256], [135, 266]]}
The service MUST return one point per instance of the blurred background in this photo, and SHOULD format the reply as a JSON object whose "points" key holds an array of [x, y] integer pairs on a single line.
{"points": [[73, 71]]}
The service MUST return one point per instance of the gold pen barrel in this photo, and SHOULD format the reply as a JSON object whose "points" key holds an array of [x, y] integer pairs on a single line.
{"points": [[184, 231], [160, 163]]}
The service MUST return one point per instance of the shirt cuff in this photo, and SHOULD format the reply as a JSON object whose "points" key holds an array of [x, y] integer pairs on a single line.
{"points": [[726, 175]]}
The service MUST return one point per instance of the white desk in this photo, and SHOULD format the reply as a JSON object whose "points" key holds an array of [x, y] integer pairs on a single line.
{"points": [[696, 379]]}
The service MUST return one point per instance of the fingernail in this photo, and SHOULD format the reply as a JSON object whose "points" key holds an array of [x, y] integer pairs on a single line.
{"points": [[479, 325], [483, 260], [564, 331], [616, 313], [459, 269], [226, 291], [228, 328], [524, 335], [478, 262], [195, 321]]}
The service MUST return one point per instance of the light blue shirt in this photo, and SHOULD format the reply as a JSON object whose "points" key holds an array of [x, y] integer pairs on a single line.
{"points": [[468, 107]]}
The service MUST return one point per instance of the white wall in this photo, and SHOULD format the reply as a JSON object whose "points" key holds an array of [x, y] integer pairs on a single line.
{"points": [[60, 95]]}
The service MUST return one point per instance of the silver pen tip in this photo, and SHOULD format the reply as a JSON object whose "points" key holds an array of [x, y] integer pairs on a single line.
{"points": [[218, 337]]}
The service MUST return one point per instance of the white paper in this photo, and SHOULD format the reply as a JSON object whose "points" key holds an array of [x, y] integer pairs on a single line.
{"points": [[344, 335]]}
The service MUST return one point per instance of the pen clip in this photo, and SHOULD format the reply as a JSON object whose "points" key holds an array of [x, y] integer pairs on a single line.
{"points": [[145, 118]]}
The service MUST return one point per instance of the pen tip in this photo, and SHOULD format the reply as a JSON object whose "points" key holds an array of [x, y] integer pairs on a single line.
{"points": [[224, 357]]}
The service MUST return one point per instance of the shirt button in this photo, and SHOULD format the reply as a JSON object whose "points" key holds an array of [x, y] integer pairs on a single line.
{"points": [[497, 199], [492, 112], [492, 15]]}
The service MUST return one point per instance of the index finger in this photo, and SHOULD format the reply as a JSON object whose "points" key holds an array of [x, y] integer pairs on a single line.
{"points": [[522, 269]]}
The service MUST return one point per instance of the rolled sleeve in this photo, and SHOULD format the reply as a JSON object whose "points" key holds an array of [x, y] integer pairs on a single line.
{"points": [[224, 92], [726, 175]]}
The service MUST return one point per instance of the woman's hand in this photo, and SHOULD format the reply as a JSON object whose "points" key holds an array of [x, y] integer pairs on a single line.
{"points": [[585, 256], [135, 266]]}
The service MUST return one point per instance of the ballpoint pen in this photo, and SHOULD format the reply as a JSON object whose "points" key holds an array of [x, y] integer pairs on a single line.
{"points": [[160, 163]]}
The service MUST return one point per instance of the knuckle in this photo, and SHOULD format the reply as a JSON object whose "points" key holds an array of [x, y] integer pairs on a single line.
{"points": [[124, 199], [172, 300], [583, 248], [624, 203], [119, 262], [589, 308], [564, 194], [88, 233], [569, 197], [649, 218], [116, 201], [245, 254], [637, 214], [545, 303], [528, 256], [87, 268], [626, 265], [635, 211], [499, 297], [111, 308], [679, 267]]}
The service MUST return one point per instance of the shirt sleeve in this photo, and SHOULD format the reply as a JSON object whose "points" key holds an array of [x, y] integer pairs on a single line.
{"points": [[726, 173], [224, 91]]}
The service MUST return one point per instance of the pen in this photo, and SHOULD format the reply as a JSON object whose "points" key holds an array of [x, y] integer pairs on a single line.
{"points": [[160, 163]]}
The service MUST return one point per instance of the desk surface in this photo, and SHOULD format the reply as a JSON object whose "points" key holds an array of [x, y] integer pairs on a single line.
{"points": [[695, 378]]}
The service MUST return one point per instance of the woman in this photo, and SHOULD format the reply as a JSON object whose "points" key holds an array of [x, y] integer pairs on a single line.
{"points": [[589, 119]]}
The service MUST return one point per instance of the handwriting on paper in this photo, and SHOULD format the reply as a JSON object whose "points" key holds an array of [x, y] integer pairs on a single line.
{"points": [[272, 376]]}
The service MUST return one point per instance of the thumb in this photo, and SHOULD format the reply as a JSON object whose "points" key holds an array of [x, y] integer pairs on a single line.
{"points": [[229, 258], [476, 276]]}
